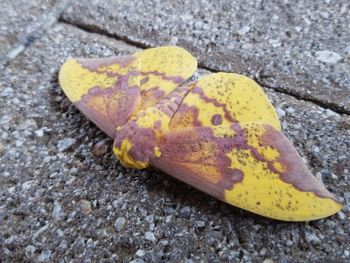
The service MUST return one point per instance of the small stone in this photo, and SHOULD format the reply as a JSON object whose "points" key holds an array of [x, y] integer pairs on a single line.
{"points": [[328, 57], [44, 256], [290, 110], [324, 15], [29, 251], [140, 253], [341, 215], [263, 251], [347, 198], [14, 52], [149, 218], [150, 236], [57, 212], [137, 260], [268, 261], [73, 171], [119, 224], [200, 224], [274, 43], [289, 243], [213, 238], [312, 238], [185, 212], [280, 112], [100, 148], [1, 148], [85, 206], [39, 133], [65, 144], [330, 113], [198, 25], [244, 30], [330, 224]]}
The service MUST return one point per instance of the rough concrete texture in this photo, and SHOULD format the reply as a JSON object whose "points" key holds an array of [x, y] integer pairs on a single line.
{"points": [[21, 21], [65, 198], [15, 18], [298, 47]]}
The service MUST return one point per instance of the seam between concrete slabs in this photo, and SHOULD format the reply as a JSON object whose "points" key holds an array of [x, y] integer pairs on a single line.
{"points": [[96, 30], [47, 20]]}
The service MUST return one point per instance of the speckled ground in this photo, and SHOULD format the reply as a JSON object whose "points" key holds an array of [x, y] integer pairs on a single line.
{"points": [[299, 47], [65, 198]]}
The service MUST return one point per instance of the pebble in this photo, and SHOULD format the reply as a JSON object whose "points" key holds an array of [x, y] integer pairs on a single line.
{"points": [[289, 243], [65, 144], [137, 260], [198, 25], [185, 212], [44, 256], [280, 112], [100, 148], [341, 215], [200, 224], [328, 57], [39, 133], [140, 253], [119, 224], [29, 251], [347, 198], [263, 251], [330, 224], [312, 238], [330, 113], [150, 236], [57, 212], [85, 206], [244, 30]]}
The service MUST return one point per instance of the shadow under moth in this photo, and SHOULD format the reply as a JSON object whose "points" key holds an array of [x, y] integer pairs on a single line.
{"points": [[220, 133]]}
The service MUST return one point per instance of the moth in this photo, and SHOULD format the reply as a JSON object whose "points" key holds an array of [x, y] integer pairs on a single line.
{"points": [[219, 134]]}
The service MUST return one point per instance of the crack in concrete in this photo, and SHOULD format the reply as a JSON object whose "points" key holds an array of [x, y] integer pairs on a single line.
{"points": [[97, 30]]}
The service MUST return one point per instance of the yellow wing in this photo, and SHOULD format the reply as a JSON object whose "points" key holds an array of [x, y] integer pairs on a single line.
{"points": [[111, 90], [224, 98], [252, 166]]}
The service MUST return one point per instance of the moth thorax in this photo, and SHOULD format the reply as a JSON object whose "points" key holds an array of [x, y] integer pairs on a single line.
{"points": [[134, 146]]}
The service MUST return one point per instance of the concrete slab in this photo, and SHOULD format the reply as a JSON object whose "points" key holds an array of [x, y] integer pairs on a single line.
{"points": [[301, 48], [16, 16], [61, 201], [21, 22]]}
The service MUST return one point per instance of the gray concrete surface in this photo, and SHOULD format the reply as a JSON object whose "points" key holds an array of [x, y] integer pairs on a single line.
{"points": [[16, 18], [21, 22], [65, 198], [299, 47]]}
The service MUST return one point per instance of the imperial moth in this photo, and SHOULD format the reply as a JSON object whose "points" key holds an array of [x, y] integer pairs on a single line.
{"points": [[219, 134]]}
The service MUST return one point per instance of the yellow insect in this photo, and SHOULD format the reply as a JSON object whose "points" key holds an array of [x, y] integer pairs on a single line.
{"points": [[219, 134]]}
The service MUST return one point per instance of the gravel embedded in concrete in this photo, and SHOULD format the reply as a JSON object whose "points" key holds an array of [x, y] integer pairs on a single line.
{"points": [[19, 18], [277, 42], [67, 206]]}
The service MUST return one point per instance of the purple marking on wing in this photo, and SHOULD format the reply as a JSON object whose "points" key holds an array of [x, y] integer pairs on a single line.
{"points": [[198, 90], [296, 172], [110, 107], [93, 64], [175, 79], [216, 119]]}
